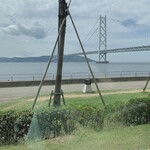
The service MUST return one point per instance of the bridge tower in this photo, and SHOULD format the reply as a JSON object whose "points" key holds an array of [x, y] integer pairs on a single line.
{"points": [[102, 40]]}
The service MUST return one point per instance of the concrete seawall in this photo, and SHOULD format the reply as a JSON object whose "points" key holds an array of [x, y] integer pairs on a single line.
{"points": [[69, 81]]}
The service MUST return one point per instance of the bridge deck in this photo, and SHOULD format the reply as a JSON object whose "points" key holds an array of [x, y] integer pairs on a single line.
{"points": [[118, 50]]}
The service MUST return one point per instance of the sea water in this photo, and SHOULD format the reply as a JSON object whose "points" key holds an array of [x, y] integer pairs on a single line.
{"points": [[35, 71]]}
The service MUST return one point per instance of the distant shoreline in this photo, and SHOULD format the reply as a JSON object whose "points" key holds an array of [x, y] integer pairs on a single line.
{"points": [[43, 59]]}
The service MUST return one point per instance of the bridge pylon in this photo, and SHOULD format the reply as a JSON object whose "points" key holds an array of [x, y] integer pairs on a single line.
{"points": [[102, 57]]}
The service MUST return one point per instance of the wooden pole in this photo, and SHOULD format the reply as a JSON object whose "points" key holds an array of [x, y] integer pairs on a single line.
{"points": [[62, 15]]}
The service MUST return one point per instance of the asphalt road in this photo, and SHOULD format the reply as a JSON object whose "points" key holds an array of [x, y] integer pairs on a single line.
{"points": [[13, 93]]}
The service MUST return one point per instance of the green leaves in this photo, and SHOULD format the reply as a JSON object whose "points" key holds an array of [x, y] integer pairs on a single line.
{"points": [[13, 126], [135, 112]]}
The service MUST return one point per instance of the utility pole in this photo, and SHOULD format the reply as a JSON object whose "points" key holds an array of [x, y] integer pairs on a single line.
{"points": [[62, 14]]}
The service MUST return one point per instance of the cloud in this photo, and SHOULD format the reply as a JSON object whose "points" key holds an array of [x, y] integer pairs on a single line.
{"points": [[29, 8], [36, 30], [128, 22]]}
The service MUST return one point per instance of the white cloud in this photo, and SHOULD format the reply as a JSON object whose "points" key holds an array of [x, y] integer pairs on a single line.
{"points": [[36, 30]]}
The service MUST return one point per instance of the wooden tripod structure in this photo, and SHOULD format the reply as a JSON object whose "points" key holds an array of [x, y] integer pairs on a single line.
{"points": [[63, 13]]}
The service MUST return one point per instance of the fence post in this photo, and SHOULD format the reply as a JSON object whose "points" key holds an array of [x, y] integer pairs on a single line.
{"points": [[33, 78], [135, 74], [53, 76], [71, 76]]}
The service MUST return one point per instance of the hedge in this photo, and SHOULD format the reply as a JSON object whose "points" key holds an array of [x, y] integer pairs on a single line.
{"points": [[18, 125], [90, 116], [135, 112], [15, 125]]}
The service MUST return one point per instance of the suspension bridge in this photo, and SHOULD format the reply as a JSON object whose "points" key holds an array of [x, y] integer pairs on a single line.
{"points": [[103, 50]]}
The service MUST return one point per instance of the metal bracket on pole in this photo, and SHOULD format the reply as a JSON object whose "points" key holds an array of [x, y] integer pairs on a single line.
{"points": [[86, 59], [51, 96], [62, 94]]}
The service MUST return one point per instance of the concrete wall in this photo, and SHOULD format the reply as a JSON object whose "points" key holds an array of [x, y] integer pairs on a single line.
{"points": [[69, 81]]}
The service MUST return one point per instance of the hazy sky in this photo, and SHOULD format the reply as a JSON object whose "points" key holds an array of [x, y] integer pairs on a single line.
{"points": [[29, 27]]}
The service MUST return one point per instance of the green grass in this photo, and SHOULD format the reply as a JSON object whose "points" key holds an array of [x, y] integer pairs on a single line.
{"points": [[23, 104], [137, 137]]}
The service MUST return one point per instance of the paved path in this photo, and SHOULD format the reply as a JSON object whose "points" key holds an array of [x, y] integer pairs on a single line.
{"points": [[9, 94]]}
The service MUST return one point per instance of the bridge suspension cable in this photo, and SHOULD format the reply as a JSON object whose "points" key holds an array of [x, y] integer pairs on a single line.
{"points": [[90, 34]]}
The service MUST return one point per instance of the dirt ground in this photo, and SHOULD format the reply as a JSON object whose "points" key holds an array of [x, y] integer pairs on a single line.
{"points": [[88, 95]]}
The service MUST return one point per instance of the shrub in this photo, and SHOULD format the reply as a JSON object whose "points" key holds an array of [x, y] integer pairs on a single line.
{"points": [[13, 126], [90, 116], [52, 123], [135, 112]]}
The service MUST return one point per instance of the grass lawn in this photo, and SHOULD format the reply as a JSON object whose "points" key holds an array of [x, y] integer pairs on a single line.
{"points": [[134, 138], [23, 104]]}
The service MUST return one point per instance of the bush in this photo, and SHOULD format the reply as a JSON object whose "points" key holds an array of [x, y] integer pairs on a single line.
{"points": [[90, 116], [135, 112], [14, 125], [52, 123]]}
